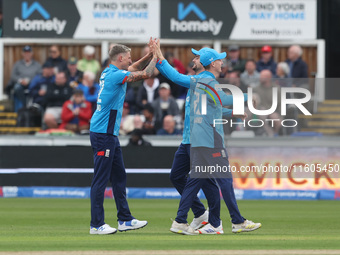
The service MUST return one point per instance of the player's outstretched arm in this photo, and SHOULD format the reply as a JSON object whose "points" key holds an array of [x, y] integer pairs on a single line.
{"points": [[145, 74]]}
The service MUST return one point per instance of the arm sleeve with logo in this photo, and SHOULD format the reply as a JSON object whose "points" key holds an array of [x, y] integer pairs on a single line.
{"points": [[172, 74], [121, 76]]}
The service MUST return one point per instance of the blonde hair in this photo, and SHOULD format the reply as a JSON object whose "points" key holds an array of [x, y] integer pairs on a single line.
{"points": [[118, 49]]}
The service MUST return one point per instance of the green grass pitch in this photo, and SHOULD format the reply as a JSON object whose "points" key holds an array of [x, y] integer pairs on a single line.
{"points": [[63, 224]]}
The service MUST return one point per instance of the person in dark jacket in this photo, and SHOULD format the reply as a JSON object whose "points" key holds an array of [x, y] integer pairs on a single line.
{"points": [[147, 93], [39, 84], [148, 127], [137, 139], [298, 67], [73, 74], [55, 96], [164, 105], [59, 64], [235, 62], [266, 61]]}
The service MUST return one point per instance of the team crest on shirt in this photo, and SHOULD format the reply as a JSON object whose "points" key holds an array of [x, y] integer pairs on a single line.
{"points": [[224, 155], [124, 71]]}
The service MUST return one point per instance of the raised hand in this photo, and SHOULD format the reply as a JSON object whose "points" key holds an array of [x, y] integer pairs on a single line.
{"points": [[158, 50]]}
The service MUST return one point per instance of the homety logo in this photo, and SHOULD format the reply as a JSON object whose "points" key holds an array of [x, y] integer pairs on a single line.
{"points": [[45, 24], [181, 25]]}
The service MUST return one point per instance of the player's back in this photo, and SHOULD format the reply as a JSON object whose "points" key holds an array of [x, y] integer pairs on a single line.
{"points": [[107, 117], [206, 107]]}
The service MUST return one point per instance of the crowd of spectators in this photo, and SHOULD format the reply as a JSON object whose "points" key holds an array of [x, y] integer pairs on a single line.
{"points": [[65, 91], [263, 75]]}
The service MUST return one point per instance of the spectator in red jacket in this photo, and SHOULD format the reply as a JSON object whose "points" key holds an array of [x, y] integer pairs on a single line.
{"points": [[76, 113]]}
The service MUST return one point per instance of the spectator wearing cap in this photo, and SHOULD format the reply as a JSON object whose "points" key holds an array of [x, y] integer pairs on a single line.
{"points": [[250, 77], [149, 122], [59, 64], [127, 123], [22, 73], [40, 83], [164, 105], [88, 62], [76, 113], [90, 88], [56, 95], [74, 75], [169, 127], [137, 139], [298, 67], [235, 63], [266, 62], [148, 92]]}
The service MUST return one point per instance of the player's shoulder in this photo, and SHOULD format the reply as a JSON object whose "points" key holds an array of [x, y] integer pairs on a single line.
{"points": [[113, 73], [118, 73]]}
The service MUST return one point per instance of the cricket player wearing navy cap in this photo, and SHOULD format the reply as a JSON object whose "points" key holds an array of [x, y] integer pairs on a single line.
{"points": [[104, 129]]}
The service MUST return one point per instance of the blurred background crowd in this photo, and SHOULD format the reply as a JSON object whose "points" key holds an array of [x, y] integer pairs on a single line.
{"points": [[62, 93]]}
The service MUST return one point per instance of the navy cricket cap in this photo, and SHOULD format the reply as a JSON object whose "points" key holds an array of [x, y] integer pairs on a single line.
{"points": [[27, 48], [210, 55], [198, 52], [47, 64]]}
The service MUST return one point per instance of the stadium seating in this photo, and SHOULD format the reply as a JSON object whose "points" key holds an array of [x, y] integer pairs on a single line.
{"points": [[326, 120]]}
